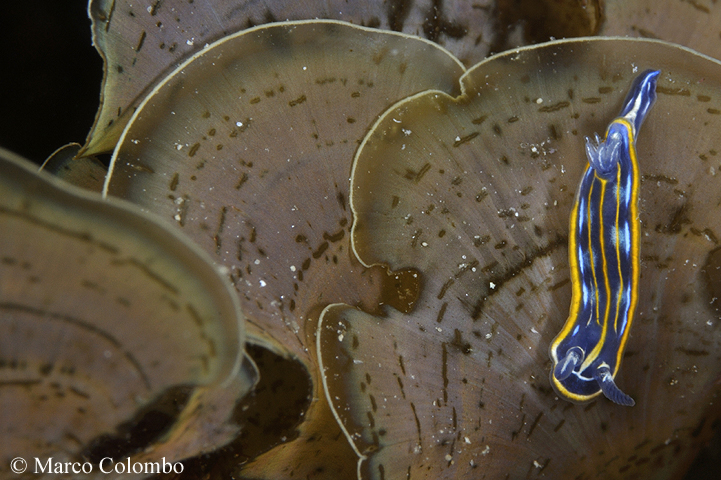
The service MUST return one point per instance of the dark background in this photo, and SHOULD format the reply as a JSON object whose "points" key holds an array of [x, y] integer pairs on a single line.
{"points": [[50, 76]]}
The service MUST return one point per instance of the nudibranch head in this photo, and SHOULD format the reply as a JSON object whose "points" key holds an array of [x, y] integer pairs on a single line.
{"points": [[640, 98]]}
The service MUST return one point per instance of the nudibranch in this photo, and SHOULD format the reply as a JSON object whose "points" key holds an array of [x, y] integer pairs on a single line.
{"points": [[603, 246]]}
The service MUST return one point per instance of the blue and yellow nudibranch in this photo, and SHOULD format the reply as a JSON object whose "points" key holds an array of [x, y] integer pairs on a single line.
{"points": [[603, 244]]}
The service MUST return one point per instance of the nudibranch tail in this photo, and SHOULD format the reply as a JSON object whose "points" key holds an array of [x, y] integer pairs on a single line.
{"points": [[604, 252], [608, 387]]}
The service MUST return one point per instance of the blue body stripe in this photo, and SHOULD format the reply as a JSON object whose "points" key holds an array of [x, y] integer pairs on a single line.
{"points": [[604, 245]]}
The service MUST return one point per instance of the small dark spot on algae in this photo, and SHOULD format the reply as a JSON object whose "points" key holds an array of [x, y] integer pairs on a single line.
{"points": [[243, 178], [335, 237], [297, 101], [441, 312], [699, 428], [442, 293], [553, 132], [463, 346], [371, 419], [174, 182], [193, 150], [217, 238], [555, 107], [560, 284], [90, 285], [706, 232], [678, 218], [374, 405], [673, 91], [464, 139], [141, 41], [444, 371], [514, 433], [320, 250], [141, 167], [489, 267], [642, 444], [645, 33], [417, 176], [711, 273], [692, 352]]}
